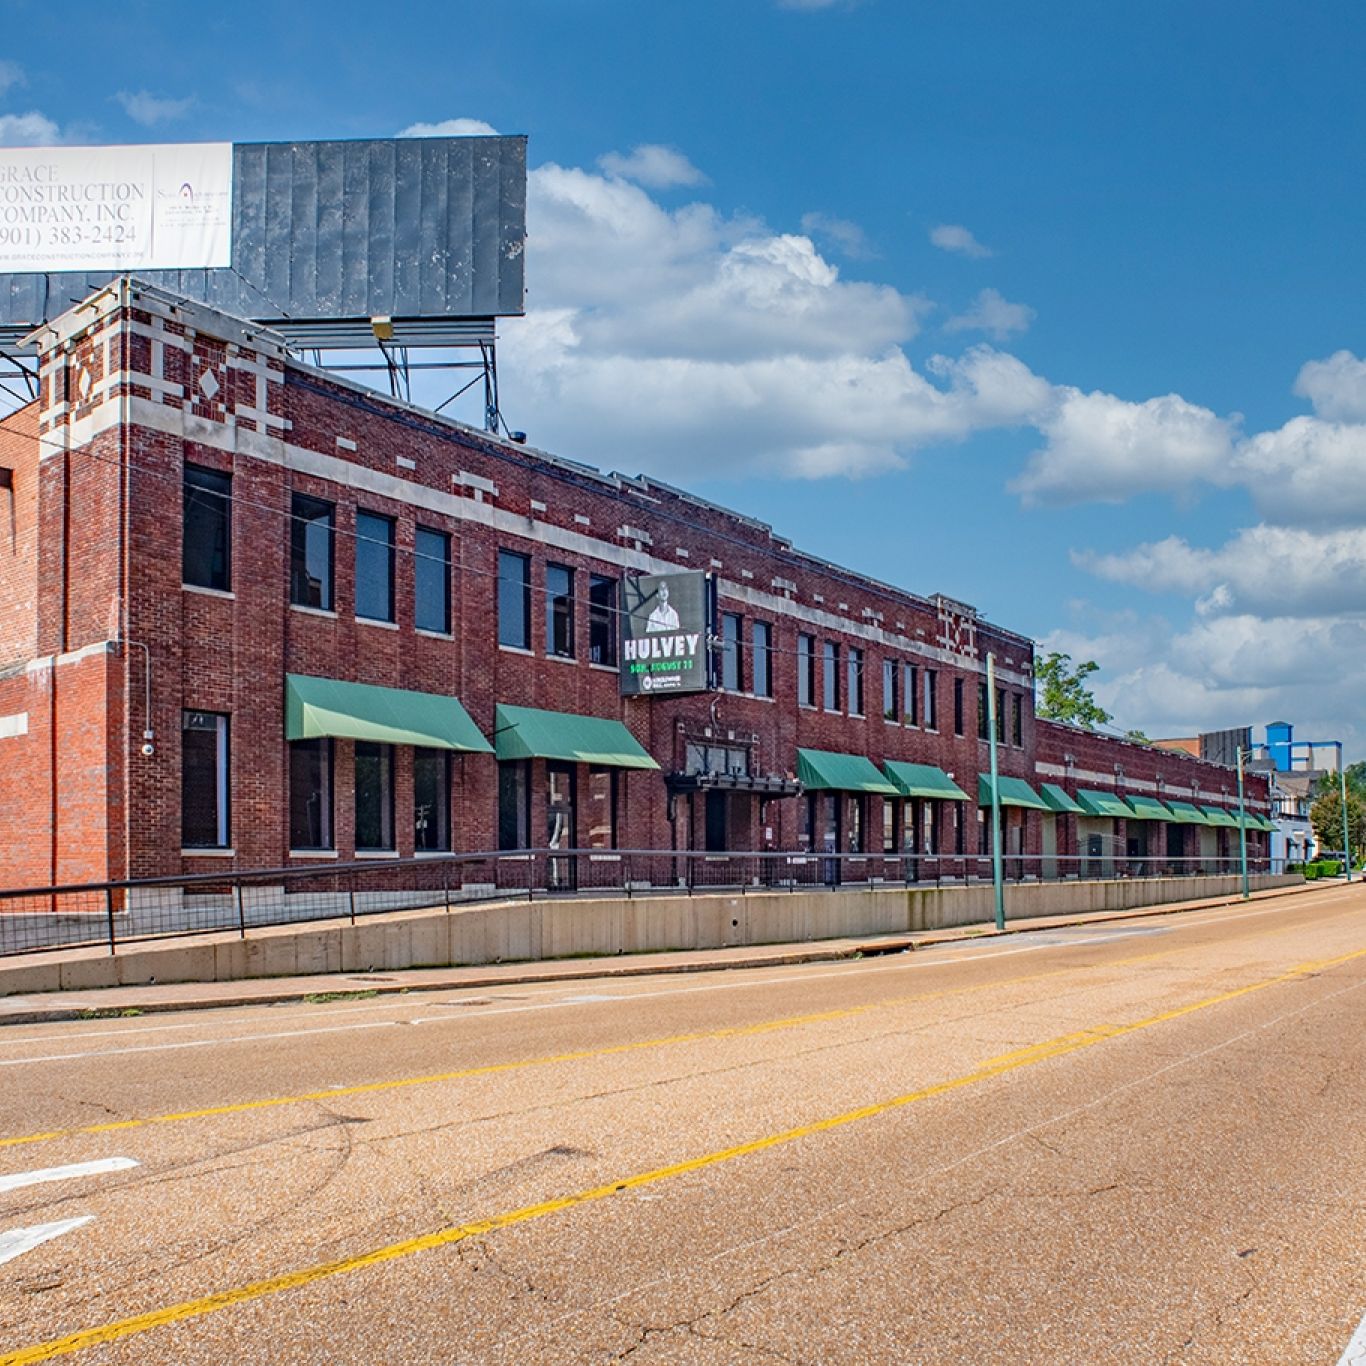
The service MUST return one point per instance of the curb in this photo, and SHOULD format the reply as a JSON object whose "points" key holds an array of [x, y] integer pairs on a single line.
{"points": [[882, 946]]}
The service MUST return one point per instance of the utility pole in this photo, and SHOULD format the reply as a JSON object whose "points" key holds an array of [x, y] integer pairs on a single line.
{"points": [[997, 874], [1242, 825], [1346, 836]]}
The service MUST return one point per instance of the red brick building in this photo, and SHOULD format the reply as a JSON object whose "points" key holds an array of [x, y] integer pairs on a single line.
{"points": [[207, 541]]}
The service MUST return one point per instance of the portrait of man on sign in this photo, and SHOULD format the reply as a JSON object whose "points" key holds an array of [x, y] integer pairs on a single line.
{"points": [[663, 618]]}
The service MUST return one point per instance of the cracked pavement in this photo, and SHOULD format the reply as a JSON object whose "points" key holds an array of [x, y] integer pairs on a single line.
{"points": [[1189, 1191]]}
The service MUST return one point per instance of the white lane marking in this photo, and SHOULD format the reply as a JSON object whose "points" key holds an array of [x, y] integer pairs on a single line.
{"points": [[192, 1043], [932, 959], [20, 1240], [16, 1180], [1355, 1355]]}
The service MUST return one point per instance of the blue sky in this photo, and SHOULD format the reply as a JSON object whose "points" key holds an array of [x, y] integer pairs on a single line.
{"points": [[1056, 308]]}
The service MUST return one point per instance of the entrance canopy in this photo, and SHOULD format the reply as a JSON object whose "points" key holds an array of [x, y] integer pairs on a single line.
{"points": [[527, 733], [923, 780], [1103, 804], [1058, 800], [320, 707], [1013, 792], [1216, 815], [821, 770], [1149, 809], [1188, 814]]}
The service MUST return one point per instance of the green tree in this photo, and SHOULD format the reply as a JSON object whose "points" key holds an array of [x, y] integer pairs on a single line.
{"points": [[1063, 694], [1326, 818], [1137, 737]]}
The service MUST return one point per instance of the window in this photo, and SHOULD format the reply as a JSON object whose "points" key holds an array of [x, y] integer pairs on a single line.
{"points": [[203, 780], [806, 671], [310, 553], [514, 604], [1018, 729], [432, 581], [602, 808], [514, 805], [1000, 716], [890, 831], [857, 813], [206, 554], [702, 758], [958, 706], [374, 568], [855, 682], [559, 611], [831, 694], [310, 794], [431, 799], [374, 795], [890, 674], [762, 665], [931, 699], [732, 666], [910, 693], [602, 620], [983, 715]]}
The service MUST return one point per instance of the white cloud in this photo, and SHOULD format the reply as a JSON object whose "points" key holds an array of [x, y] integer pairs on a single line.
{"points": [[11, 74], [1336, 387], [993, 314], [652, 165], [956, 238], [1266, 570], [149, 110], [1105, 449], [1307, 471], [28, 130], [847, 238], [450, 128]]}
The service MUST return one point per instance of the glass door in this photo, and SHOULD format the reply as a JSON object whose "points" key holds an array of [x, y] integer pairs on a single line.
{"points": [[560, 817]]}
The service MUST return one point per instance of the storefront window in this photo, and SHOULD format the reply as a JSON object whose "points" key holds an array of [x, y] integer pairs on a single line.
{"points": [[602, 808], [374, 795], [204, 780], [431, 799], [310, 794], [514, 805]]}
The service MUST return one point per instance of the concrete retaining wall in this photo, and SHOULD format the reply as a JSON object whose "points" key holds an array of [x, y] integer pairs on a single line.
{"points": [[582, 928]]}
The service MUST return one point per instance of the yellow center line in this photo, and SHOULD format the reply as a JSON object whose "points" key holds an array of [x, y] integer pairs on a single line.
{"points": [[586, 1054], [293, 1280]]}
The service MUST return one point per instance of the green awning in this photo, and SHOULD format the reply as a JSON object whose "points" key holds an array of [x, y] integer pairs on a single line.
{"points": [[1013, 792], [528, 733], [1149, 809], [1058, 800], [1216, 815], [820, 770], [1188, 814], [1268, 824], [1103, 804], [1255, 821], [922, 780], [319, 707]]}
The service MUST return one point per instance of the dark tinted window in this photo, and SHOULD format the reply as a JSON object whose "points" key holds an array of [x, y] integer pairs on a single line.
{"points": [[514, 600], [203, 780], [431, 799], [207, 551], [310, 794], [855, 693], [374, 795], [310, 553], [730, 652], [559, 610], [762, 665], [602, 620], [432, 580], [806, 671], [831, 694], [375, 568]]}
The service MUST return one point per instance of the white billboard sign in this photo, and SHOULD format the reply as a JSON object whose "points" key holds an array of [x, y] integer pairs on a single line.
{"points": [[116, 208]]}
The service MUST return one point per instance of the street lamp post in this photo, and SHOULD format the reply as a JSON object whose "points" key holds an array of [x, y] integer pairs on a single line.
{"points": [[1242, 825], [1346, 837], [997, 874]]}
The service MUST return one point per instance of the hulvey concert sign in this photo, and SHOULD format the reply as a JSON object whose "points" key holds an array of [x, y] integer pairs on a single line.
{"points": [[664, 634]]}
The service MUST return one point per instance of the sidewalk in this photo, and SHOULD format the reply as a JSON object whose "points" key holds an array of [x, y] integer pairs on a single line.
{"points": [[114, 1001]]}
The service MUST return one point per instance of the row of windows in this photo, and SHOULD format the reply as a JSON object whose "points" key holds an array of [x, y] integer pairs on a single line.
{"points": [[561, 603], [206, 560]]}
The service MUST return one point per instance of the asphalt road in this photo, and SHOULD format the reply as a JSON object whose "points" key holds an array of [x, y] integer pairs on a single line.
{"points": [[1144, 1142]]}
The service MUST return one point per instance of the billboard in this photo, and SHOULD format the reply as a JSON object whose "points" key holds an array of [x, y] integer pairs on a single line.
{"points": [[321, 237], [664, 634], [116, 208]]}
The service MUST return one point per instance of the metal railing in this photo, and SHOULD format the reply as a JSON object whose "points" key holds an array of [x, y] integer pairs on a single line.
{"points": [[140, 909]]}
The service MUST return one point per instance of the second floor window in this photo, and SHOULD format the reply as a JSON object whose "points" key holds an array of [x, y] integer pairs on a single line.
{"points": [[806, 671], [910, 694], [855, 681], [931, 712], [1019, 719], [602, 620], [310, 552], [831, 695], [762, 664], [432, 581], [890, 709], [514, 600], [958, 706], [206, 558], [374, 566], [730, 652], [559, 611], [983, 717]]}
